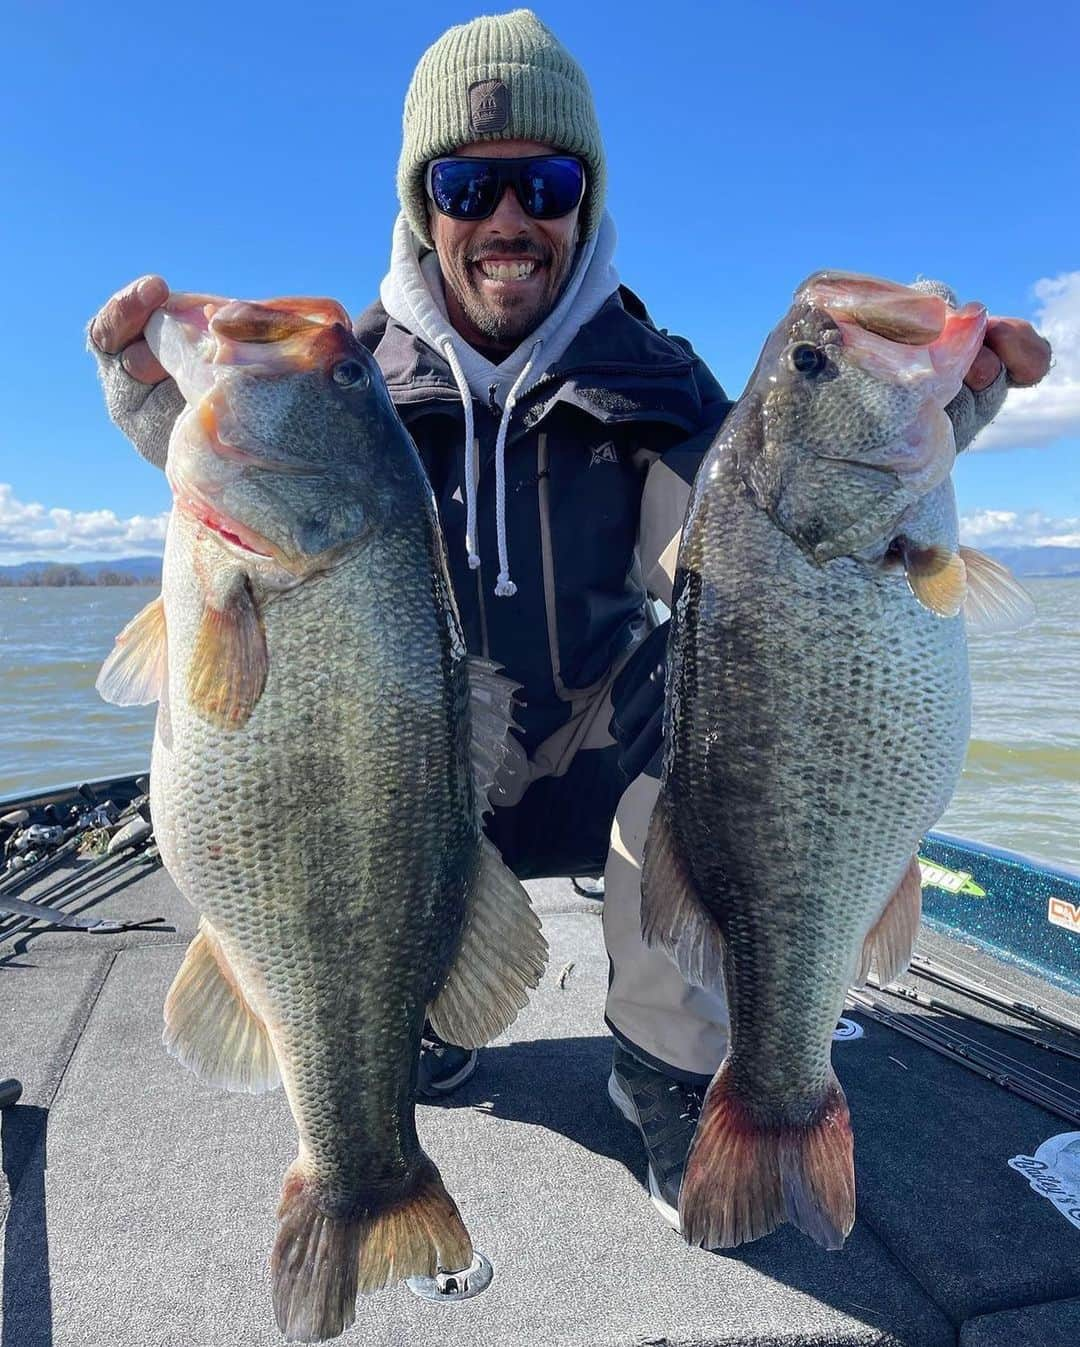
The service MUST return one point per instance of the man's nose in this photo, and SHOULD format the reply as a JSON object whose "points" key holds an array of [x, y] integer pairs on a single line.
{"points": [[508, 217]]}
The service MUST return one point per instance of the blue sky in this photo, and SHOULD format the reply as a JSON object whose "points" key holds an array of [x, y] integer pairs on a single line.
{"points": [[250, 150]]}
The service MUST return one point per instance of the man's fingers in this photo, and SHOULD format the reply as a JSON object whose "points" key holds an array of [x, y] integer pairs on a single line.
{"points": [[123, 318], [1023, 352], [984, 370], [141, 364]]}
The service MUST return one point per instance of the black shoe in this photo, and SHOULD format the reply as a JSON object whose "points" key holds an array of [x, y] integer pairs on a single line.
{"points": [[665, 1111], [443, 1066]]}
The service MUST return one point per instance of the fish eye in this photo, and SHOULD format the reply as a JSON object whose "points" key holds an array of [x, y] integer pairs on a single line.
{"points": [[350, 374], [806, 358]]}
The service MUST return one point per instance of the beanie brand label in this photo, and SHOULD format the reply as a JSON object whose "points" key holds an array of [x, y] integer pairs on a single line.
{"points": [[489, 106]]}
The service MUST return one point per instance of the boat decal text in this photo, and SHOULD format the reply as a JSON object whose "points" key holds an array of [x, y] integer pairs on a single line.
{"points": [[1060, 912], [1054, 1172], [953, 881]]}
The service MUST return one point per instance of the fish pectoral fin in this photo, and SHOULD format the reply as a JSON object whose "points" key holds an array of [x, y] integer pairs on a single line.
{"points": [[890, 940], [938, 578], [672, 914], [995, 600], [135, 670], [211, 1026], [230, 662], [501, 958], [491, 705]]}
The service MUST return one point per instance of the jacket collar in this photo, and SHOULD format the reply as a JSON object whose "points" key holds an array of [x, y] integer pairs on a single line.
{"points": [[618, 367]]}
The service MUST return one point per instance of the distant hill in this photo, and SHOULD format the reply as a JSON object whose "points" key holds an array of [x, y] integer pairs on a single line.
{"points": [[142, 570], [1029, 561], [1035, 561]]}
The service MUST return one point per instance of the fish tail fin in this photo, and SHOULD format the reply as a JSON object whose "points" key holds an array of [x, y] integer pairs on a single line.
{"points": [[321, 1260], [744, 1177]]}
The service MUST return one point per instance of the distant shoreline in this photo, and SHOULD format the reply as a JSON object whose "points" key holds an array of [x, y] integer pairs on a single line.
{"points": [[65, 577], [118, 573]]}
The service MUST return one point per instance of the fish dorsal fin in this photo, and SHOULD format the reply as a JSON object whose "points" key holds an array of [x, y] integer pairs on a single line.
{"points": [[672, 914], [136, 668], [995, 600], [229, 664], [890, 940], [210, 1025], [938, 578], [491, 702], [501, 958]]}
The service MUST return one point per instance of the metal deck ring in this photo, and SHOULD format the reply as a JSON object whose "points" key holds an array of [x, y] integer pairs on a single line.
{"points": [[448, 1287]]}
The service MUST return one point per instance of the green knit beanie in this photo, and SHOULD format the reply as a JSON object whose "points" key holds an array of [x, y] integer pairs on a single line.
{"points": [[503, 77]]}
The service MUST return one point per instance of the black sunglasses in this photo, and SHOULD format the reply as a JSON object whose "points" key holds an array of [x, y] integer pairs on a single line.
{"points": [[548, 186]]}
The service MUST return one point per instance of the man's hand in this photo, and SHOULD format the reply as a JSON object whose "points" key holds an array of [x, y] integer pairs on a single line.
{"points": [[118, 326], [1015, 344]]}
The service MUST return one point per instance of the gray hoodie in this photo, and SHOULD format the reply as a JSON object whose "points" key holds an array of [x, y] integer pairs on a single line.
{"points": [[412, 294]]}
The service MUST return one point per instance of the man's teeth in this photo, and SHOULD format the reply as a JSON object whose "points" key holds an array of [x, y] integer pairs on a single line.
{"points": [[507, 271]]}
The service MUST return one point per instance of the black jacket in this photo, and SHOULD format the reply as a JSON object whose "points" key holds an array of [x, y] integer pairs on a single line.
{"points": [[600, 455]]}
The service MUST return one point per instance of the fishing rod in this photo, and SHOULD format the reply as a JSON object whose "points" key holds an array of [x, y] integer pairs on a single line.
{"points": [[940, 973], [975, 1057], [74, 889], [934, 1003], [128, 833], [975, 1047]]}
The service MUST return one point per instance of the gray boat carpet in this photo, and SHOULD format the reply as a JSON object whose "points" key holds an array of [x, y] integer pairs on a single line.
{"points": [[143, 1202]]}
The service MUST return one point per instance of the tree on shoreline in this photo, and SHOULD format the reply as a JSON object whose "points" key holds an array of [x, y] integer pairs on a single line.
{"points": [[56, 575]]}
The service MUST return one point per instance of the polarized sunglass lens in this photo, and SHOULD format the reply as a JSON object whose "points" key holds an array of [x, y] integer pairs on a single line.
{"points": [[551, 187], [462, 188]]}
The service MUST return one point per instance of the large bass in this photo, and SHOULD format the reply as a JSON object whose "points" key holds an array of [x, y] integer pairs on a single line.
{"points": [[322, 754], [816, 720]]}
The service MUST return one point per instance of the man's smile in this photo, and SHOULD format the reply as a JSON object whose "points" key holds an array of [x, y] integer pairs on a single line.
{"points": [[504, 270]]}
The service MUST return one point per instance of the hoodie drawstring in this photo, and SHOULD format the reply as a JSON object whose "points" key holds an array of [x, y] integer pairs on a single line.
{"points": [[470, 452], [505, 587]]}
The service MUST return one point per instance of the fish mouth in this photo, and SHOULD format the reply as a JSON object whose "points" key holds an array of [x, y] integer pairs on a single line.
{"points": [[883, 308], [898, 333], [192, 334]]}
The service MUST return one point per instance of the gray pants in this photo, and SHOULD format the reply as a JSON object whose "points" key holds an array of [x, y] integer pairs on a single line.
{"points": [[649, 1004], [563, 825]]}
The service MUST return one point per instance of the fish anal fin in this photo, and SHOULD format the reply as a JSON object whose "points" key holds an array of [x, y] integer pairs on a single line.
{"points": [[744, 1177], [322, 1258], [229, 663], [672, 914], [995, 600], [890, 940], [137, 667], [500, 959], [211, 1026], [938, 578], [492, 747]]}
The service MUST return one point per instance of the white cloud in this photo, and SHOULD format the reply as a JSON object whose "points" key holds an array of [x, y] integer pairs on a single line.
{"points": [[1019, 528], [30, 532], [1033, 417]]}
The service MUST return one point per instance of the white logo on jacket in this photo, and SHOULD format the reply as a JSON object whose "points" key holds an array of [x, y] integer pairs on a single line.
{"points": [[604, 453]]}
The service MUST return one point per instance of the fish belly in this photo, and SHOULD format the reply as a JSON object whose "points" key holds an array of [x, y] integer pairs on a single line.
{"points": [[328, 842], [821, 720]]}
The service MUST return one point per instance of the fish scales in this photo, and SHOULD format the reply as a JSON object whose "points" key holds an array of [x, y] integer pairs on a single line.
{"points": [[816, 718], [804, 701], [377, 736], [322, 750]]}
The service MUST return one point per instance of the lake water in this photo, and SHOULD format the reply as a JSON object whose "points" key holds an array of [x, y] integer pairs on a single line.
{"points": [[1020, 788]]}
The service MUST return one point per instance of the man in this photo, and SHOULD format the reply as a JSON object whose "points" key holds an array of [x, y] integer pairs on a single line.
{"points": [[561, 431]]}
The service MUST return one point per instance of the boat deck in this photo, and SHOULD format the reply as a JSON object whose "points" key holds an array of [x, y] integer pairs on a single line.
{"points": [[142, 1202]]}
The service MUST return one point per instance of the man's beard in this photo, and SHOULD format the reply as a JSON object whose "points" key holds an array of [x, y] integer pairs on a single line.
{"points": [[508, 326]]}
